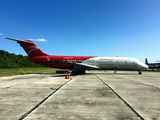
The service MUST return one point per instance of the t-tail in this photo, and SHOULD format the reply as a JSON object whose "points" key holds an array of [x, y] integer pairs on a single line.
{"points": [[146, 61], [29, 46]]}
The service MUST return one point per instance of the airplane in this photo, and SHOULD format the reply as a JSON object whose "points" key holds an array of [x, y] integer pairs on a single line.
{"points": [[79, 64], [152, 65]]}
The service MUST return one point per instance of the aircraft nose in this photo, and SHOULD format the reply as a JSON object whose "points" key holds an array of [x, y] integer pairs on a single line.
{"points": [[144, 66]]}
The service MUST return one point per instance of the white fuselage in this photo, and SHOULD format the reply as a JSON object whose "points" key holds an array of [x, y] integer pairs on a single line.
{"points": [[116, 63]]}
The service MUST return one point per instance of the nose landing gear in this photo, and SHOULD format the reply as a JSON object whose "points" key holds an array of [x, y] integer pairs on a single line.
{"points": [[140, 72]]}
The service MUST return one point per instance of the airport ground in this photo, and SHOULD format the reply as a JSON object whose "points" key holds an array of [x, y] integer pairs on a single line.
{"points": [[97, 95]]}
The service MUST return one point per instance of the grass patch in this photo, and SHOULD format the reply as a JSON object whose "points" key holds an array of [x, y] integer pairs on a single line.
{"points": [[21, 71]]}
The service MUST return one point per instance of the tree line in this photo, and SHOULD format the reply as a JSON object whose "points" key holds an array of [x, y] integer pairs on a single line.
{"points": [[11, 60]]}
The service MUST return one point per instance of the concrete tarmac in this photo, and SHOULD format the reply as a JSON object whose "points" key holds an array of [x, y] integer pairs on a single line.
{"points": [[97, 95]]}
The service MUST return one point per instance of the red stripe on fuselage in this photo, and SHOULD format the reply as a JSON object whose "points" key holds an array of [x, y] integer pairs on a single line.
{"points": [[65, 62]]}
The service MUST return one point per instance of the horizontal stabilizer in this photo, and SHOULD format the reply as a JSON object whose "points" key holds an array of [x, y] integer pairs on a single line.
{"points": [[14, 39], [87, 65], [29, 46]]}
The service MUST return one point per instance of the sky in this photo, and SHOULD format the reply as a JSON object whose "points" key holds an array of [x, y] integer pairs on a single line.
{"points": [[124, 28]]}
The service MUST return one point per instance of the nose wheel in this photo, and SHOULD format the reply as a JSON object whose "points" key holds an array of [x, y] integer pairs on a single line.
{"points": [[140, 72]]}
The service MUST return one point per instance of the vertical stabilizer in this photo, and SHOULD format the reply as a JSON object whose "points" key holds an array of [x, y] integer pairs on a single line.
{"points": [[146, 61]]}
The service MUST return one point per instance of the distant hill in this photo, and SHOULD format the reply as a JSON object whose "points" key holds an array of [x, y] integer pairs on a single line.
{"points": [[11, 60]]}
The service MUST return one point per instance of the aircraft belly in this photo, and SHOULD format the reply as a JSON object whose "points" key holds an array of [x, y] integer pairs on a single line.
{"points": [[116, 67]]}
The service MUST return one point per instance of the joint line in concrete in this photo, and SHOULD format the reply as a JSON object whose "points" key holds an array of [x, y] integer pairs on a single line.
{"points": [[127, 104], [41, 102]]}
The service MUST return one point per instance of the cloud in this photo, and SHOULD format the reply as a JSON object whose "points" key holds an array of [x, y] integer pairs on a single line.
{"points": [[40, 40], [1, 34]]}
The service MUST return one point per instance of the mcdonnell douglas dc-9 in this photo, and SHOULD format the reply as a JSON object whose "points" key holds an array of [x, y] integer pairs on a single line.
{"points": [[78, 64]]}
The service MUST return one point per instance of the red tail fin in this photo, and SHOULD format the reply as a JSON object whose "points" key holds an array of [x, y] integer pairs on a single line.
{"points": [[30, 47]]}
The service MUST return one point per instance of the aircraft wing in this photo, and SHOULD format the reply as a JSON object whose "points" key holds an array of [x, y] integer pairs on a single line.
{"points": [[87, 65]]}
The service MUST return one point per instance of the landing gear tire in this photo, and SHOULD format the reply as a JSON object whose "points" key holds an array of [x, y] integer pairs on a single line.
{"points": [[78, 72], [140, 72]]}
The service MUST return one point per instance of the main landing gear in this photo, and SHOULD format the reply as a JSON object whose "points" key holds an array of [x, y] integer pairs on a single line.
{"points": [[78, 70]]}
